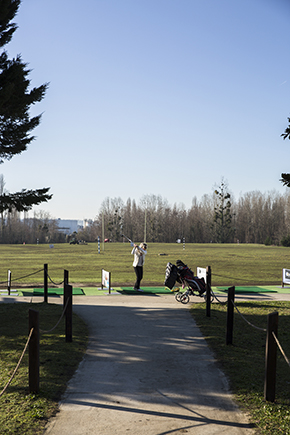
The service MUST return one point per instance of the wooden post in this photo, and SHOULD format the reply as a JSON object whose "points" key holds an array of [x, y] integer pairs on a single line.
{"points": [[34, 352], [65, 282], [208, 290], [45, 286], [271, 357], [65, 277], [67, 299], [9, 282], [230, 315]]}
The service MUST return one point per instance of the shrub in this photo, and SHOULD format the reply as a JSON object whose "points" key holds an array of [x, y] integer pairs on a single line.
{"points": [[268, 241], [286, 241]]}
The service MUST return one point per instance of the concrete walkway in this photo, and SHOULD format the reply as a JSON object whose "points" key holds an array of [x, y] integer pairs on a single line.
{"points": [[147, 370]]}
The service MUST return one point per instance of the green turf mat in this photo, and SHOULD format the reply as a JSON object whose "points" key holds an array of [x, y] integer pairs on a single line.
{"points": [[26, 292], [95, 291], [149, 290], [56, 291], [248, 289]]}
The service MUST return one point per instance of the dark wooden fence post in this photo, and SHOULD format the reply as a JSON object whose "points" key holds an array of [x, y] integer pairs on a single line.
{"points": [[45, 285], [65, 273], [67, 300], [230, 315], [65, 278], [34, 352], [208, 290], [65, 283], [9, 281], [271, 357]]}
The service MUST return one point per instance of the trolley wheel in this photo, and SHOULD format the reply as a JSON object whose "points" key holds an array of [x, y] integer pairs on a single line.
{"points": [[177, 296], [184, 299]]}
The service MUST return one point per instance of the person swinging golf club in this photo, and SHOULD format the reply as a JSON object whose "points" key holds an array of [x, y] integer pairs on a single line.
{"points": [[139, 253]]}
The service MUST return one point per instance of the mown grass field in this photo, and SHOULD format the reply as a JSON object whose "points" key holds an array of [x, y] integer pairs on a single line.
{"points": [[231, 264], [20, 411], [244, 361]]}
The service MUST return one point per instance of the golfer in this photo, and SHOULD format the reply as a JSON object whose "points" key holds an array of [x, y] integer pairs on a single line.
{"points": [[139, 253]]}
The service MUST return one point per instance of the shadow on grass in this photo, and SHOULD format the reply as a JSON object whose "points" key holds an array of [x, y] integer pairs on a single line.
{"points": [[58, 362], [244, 361]]}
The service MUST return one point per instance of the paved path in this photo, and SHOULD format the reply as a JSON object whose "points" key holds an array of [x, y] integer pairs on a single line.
{"points": [[147, 370]]}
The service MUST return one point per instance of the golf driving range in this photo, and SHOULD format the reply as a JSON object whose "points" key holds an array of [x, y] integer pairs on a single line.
{"points": [[255, 270]]}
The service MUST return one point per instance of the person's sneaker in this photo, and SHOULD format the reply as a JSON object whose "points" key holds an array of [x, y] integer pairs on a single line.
{"points": [[140, 290]]}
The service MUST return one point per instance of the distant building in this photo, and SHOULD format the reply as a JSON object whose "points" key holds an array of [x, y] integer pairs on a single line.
{"points": [[69, 226]]}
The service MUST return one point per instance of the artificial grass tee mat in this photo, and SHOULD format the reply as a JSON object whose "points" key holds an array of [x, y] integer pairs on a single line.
{"points": [[249, 289], [148, 290], [238, 290], [56, 291], [94, 291]]}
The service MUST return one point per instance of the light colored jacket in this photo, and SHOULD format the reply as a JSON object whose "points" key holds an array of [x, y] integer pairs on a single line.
{"points": [[139, 256]]}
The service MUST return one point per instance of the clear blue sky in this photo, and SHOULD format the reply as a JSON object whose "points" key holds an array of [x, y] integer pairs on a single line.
{"points": [[160, 97]]}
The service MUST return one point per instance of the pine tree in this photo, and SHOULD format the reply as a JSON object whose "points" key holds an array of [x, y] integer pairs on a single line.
{"points": [[15, 102], [222, 214]]}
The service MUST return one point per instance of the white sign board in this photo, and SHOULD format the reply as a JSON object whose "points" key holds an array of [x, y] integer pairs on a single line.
{"points": [[106, 279], [286, 276], [201, 273]]}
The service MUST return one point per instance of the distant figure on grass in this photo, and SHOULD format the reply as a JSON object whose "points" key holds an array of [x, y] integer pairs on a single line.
{"points": [[139, 253]]}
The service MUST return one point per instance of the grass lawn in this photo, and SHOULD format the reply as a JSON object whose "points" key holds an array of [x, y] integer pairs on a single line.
{"points": [[231, 264], [244, 361], [21, 412]]}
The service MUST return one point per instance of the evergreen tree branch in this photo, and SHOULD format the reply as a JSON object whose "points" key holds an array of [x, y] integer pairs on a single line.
{"points": [[287, 131], [8, 10], [24, 200], [285, 179]]}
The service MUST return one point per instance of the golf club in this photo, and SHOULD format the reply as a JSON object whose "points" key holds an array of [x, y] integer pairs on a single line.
{"points": [[129, 240]]}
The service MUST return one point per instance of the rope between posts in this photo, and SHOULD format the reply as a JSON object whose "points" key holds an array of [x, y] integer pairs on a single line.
{"points": [[251, 324], [18, 364], [281, 350], [231, 277], [54, 282], [22, 277], [215, 297], [50, 330]]}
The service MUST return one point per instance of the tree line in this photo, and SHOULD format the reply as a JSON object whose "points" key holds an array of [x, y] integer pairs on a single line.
{"points": [[255, 217], [40, 228]]}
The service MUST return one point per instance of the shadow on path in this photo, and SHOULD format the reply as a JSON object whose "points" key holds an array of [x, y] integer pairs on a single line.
{"points": [[147, 366]]}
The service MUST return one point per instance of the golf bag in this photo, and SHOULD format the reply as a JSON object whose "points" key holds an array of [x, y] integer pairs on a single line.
{"points": [[184, 276], [170, 275]]}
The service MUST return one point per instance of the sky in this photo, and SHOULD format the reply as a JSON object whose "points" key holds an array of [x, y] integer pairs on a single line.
{"points": [[153, 97]]}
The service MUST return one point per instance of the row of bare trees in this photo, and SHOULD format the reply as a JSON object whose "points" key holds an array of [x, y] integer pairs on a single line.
{"points": [[254, 218], [39, 229]]}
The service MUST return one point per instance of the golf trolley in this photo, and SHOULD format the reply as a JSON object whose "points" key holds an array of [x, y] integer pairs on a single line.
{"points": [[182, 274]]}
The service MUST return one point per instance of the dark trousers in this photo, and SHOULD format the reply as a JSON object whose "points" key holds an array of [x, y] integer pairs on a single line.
{"points": [[139, 276]]}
